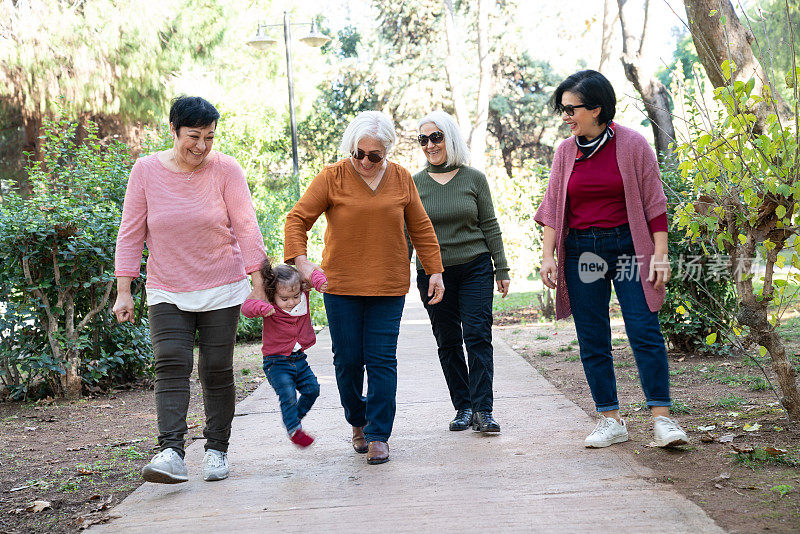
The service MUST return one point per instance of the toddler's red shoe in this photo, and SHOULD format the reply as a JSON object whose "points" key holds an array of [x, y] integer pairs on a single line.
{"points": [[301, 439]]}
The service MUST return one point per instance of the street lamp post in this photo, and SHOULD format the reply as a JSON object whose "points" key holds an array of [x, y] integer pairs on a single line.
{"points": [[314, 38]]}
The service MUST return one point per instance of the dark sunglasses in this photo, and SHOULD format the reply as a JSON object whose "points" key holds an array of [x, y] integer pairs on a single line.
{"points": [[372, 156], [569, 109], [435, 137]]}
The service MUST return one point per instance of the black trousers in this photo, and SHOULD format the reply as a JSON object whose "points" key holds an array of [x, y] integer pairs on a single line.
{"points": [[172, 332], [464, 318]]}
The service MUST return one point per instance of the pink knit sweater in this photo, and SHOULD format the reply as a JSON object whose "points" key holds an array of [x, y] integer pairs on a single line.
{"points": [[200, 233], [644, 200]]}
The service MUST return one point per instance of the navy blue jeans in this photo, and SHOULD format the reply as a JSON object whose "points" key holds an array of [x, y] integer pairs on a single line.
{"points": [[289, 375], [464, 318], [588, 252], [364, 334]]}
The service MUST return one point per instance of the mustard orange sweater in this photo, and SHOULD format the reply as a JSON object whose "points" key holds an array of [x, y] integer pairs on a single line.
{"points": [[365, 250]]}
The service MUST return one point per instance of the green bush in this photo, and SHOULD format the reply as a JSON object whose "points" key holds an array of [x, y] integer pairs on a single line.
{"points": [[691, 308], [57, 272]]}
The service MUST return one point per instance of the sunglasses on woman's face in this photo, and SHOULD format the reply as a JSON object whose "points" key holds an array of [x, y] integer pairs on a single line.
{"points": [[569, 109], [372, 156], [435, 137]]}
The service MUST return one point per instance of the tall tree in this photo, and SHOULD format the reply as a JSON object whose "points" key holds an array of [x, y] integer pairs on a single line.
{"points": [[519, 112], [477, 138], [610, 16], [719, 36], [105, 57], [655, 96]]}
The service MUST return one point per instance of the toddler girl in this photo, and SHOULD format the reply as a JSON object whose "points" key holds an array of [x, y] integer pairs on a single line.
{"points": [[287, 333]]}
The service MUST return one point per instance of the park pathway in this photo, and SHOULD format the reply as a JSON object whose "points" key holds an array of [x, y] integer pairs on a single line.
{"points": [[535, 476]]}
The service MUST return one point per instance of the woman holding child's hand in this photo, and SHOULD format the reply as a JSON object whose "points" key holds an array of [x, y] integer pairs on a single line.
{"points": [[367, 201]]}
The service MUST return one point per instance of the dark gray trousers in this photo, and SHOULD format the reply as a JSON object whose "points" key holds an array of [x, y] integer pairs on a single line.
{"points": [[172, 332]]}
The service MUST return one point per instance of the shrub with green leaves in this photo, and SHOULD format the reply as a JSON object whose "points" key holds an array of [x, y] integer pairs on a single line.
{"points": [[56, 275]]}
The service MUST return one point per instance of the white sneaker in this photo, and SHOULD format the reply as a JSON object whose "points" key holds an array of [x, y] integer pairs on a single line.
{"points": [[668, 432], [607, 432], [215, 465], [166, 467]]}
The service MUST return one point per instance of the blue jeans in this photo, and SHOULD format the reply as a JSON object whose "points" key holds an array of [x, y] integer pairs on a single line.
{"points": [[587, 251], [289, 375], [364, 334], [464, 318]]}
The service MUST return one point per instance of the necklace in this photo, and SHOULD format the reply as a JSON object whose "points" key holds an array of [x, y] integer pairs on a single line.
{"points": [[188, 178]]}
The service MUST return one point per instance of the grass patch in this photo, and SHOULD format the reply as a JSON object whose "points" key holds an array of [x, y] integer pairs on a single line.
{"points": [[728, 401], [761, 458], [544, 353], [514, 301], [572, 358], [617, 341], [564, 348], [677, 372], [542, 337], [680, 407], [623, 364]]}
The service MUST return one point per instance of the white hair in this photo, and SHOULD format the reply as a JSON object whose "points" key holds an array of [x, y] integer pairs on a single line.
{"points": [[372, 124], [457, 149]]}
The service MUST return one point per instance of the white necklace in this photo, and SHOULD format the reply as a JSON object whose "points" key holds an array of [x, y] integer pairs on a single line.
{"points": [[188, 178]]}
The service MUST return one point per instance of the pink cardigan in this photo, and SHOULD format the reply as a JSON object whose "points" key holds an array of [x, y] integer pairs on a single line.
{"points": [[200, 233], [644, 200]]}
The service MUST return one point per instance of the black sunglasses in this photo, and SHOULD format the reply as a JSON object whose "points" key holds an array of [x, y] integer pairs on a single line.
{"points": [[435, 137], [569, 109], [372, 156]]}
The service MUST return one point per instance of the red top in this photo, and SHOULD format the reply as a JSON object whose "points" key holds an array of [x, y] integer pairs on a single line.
{"points": [[282, 331], [595, 193]]}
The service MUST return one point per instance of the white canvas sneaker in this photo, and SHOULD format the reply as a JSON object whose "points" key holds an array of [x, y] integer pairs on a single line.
{"points": [[607, 432], [215, 465], [166, 467], [668, 432]]}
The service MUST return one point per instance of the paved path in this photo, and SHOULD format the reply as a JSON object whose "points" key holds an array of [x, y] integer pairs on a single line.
{"points": [[522, 480]]}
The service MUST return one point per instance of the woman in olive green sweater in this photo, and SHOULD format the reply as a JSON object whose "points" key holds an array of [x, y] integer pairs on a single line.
{"points": [[459, 204]]}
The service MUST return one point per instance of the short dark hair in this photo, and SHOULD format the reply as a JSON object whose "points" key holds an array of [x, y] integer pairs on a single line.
{"points": [[192, 111], [594, 90]]}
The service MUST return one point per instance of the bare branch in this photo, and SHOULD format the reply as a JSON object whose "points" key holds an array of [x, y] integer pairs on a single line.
{"points": [[96, 309]]}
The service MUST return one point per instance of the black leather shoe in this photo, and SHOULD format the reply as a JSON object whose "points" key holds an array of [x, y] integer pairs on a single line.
{"points": [[484, 422], [462, 420]]}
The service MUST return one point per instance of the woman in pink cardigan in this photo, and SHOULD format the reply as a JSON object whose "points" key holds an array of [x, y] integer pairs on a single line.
{"points": [[192, 207], [604, 218]]}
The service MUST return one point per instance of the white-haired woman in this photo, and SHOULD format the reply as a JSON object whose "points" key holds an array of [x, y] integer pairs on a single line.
{"points": [[459, 204], [367, 200]]}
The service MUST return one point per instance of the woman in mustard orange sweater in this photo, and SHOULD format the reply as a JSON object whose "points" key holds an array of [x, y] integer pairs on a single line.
{"points": [[366, 200]]}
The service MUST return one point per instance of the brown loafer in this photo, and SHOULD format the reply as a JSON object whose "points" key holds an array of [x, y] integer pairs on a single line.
{"points": [[378, 452], [359, 442]]}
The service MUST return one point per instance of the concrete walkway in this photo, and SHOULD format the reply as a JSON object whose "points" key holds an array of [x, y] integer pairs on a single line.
{"points": [[535, 476]]}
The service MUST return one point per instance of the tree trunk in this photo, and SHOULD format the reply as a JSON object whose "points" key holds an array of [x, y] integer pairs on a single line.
{"points": [[608, 32], [451, 67], [717, 42], [654, 95], [477, 141]]}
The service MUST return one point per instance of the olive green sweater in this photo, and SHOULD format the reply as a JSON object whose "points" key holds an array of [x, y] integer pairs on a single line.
{"points": [[463, 217]]}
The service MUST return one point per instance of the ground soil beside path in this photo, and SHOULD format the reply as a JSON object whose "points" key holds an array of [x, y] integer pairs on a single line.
{"points": [[716, 400], [84, 457]]}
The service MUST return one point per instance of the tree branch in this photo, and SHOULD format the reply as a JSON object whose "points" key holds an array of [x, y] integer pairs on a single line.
{"points": [[96, 310]]}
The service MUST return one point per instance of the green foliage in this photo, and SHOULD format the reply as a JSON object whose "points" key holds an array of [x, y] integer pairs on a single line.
{"points": [[58, 268], [782, 489], [761, 458], [692, 305], [519, 113], [118, 66]]}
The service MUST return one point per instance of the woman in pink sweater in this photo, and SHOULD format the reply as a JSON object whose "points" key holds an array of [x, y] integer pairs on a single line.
{"points": [[604, 218], [192, 208]]}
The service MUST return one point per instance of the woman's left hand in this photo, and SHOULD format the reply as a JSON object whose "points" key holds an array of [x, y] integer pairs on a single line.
{"points": [[436, 288], [502, 287], [660, 270]]}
